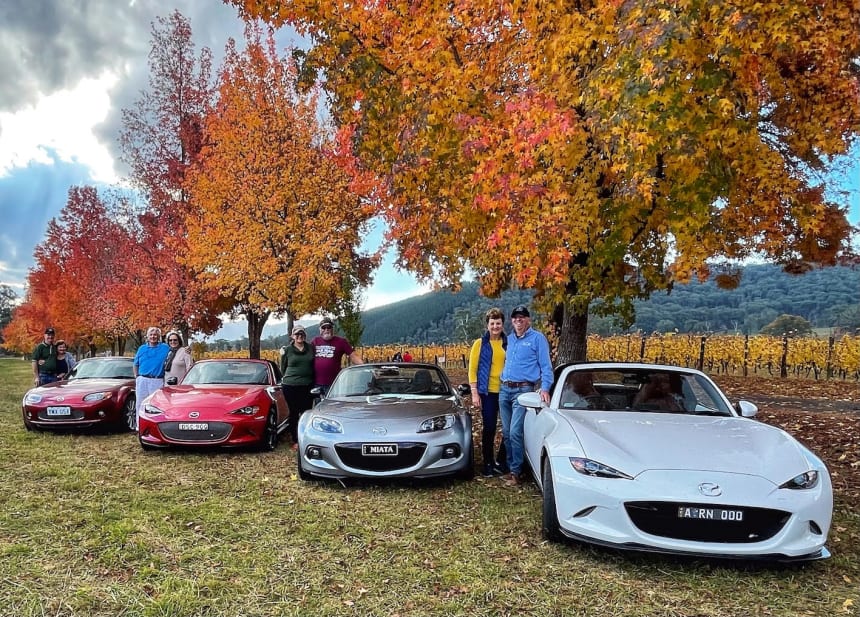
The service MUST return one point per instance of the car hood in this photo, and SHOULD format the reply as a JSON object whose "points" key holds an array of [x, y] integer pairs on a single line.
{"points": [[637, 442], [79, 386], [387, 406], [212, 398]]}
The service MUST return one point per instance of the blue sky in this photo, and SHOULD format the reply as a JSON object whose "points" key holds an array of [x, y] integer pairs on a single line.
{"points": [[64, 78]]}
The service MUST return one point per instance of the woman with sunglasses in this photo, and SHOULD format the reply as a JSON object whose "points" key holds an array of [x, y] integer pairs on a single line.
{"points": [[178, 360], [297, 367]]}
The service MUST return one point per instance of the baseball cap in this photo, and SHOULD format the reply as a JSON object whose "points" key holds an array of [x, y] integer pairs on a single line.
{"points": [[326, 321], [49, 331], [298, 328], [520, 311]]}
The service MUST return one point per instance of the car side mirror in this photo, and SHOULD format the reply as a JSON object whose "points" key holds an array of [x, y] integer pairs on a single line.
{"points": [[746, 409], [172, 381], [531, 400], [464, 389]]}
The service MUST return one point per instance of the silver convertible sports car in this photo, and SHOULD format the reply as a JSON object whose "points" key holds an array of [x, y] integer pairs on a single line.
{"points": [[387, 421], [656, 458]]}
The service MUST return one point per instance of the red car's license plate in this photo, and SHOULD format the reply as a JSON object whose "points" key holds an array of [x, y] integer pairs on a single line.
{"points": [[193, 426], [59, 411], [379, 449], [710, 514]]}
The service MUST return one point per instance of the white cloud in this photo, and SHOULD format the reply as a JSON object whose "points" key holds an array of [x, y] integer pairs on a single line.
{"points": [[62, 122]]}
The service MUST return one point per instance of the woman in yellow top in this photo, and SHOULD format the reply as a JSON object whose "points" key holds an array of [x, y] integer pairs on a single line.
{"points": [[486, 360]]}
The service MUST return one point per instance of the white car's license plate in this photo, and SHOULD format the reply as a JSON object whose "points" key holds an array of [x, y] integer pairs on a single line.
{"points": [[59, 411], [193, 426], [710, 514], [379, 449]]}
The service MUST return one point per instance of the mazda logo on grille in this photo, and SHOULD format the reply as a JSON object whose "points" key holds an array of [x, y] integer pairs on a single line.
{"points": [[379, 430], [709, 489], [194, 414], [60, 399]]}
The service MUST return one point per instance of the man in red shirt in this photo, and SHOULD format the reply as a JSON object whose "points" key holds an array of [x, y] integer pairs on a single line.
{"points": [[329, 351]]}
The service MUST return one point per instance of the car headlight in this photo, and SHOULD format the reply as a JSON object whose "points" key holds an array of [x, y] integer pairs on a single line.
{"points": [[439, 423], [327, 425], [151, 409], [805, 480], [248, 410], [31, 399], [588, 467], [96, 396]]}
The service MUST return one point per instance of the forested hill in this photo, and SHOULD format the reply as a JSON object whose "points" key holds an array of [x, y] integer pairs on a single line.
{"points": [[828, 297]]}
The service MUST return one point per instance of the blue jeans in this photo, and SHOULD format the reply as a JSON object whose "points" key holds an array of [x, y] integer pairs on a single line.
{"points": [[513, 415], [46, 378], [490, 416]]}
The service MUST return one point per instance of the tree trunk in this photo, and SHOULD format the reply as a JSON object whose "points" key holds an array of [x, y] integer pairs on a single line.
{"points": [[256, 321], [572, 337]]}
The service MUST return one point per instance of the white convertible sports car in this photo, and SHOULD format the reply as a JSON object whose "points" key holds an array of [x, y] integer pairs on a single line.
{"points": [[656, 458]]}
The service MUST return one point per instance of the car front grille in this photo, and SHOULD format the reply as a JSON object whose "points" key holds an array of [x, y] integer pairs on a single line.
{"points": [[216, 431], [408, 455], [661, 519]]}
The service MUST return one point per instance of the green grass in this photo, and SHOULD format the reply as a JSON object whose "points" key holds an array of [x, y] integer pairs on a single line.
{"points": [[92, 525]]}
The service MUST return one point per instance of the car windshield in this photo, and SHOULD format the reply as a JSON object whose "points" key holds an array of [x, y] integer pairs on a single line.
{"points": [[645, 390], [227, 372], [366, 380], [103, 368]]}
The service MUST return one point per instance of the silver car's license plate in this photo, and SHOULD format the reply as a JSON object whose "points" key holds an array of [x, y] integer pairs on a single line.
{"points": [[193, 426], [379, 449], [59, 411], [710, 514]]}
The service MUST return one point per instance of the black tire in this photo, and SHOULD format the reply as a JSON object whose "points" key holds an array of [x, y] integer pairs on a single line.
{"points": [[468, 472], [550, 527], [303, 475], [128, 421], [29, 426], [270, 434]]}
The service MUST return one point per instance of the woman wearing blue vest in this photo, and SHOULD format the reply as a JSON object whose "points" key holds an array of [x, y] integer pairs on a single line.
{"points": [[486, 360]]}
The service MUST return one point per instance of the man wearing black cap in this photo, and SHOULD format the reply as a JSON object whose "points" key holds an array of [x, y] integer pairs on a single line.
{"points": [[329, 351], [45, 360], [527, 368]]}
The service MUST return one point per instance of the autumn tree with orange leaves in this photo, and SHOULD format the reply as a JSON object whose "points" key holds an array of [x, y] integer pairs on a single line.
{"points": [[78, 282], [594, 151], [279, 217]]}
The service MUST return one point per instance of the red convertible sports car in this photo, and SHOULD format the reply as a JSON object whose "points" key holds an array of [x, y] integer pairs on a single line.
{"points": [[98, 392], [233, 402]]}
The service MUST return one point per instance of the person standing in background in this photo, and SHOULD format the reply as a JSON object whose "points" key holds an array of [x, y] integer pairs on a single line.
{"points": [[528, 367], [329, 351], [149, 366], [297, 368], [65, 361], [486, 360], [179, 359], [45, 360]]}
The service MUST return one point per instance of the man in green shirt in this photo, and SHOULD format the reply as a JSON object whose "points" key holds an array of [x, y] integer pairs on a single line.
{"points": [[45, 360]]}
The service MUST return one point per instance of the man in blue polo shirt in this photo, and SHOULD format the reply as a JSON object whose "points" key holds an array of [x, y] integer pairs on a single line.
{"points": [[149, 366], [527, 368]]}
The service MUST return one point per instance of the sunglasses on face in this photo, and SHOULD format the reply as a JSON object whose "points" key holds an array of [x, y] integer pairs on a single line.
{"points": [[299, 334], [326, 328]]}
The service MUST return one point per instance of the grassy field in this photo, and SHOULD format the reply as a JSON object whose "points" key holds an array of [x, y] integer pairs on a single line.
{"points": [[91, 525]]}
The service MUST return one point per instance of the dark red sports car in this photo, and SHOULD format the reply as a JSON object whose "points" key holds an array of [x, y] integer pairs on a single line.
{"points": [[233, 402], [99, 391]]}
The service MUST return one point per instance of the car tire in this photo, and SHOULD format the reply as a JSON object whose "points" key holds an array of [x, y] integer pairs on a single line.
{"points": [[128, 421], [270, 433], [30, 427], [550, 526], [468, 472], [146, 446], [303, 475]]}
